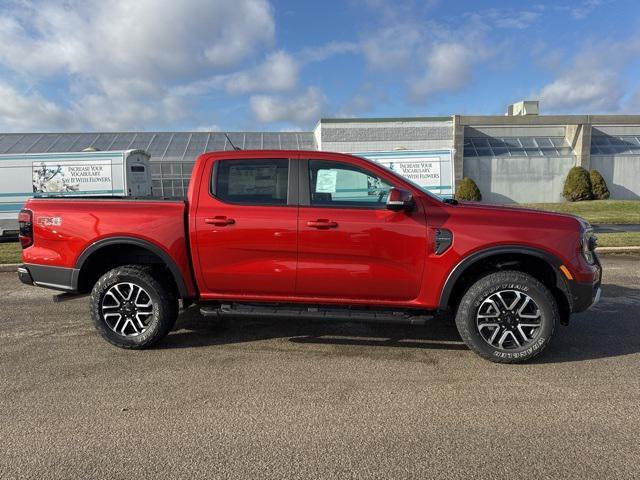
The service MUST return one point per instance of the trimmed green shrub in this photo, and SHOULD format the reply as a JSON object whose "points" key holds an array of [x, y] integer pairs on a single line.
{"points": [[577, 186], [599, 189], [468, 190]]}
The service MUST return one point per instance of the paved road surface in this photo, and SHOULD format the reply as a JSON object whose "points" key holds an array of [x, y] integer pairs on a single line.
{"points": [[270, 399]]}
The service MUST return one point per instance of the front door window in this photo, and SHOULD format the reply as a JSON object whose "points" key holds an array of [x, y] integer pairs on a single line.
{"points": [[335, 184]]}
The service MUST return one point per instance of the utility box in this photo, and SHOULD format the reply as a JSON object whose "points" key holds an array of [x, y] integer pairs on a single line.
{"points": [[524, 107], [122, 173]]}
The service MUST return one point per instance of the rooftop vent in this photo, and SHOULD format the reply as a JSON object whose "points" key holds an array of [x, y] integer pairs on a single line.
{"points": [[523, 107]]}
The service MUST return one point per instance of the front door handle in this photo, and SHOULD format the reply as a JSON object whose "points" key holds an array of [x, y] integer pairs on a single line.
{"points": [[322, 223], [220, 221]]}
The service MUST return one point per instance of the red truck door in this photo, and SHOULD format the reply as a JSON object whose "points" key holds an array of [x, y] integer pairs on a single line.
{"points": [[246, 228], [350, 245]]}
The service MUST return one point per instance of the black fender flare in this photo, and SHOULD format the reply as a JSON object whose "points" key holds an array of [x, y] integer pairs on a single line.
{"points": [[153, 248], [470, 260]]}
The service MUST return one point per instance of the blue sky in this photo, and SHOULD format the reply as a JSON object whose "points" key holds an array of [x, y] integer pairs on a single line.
{"points": [[281, 65]]}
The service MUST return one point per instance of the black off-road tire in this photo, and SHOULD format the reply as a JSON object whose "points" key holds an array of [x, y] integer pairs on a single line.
{"points": [[481, 290], [164, 305]]}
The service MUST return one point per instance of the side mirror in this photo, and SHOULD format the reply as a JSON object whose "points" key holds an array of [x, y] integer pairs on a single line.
{"points": [[399, 200]]}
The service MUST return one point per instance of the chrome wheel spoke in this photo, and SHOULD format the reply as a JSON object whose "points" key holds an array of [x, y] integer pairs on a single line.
{"points": [[114, 302], [117, 289], [494, 335], [528, 309], [138, 302], [133, 326], [522, 333], [125, 324], [488, 325], [505, 336], [509, 306], [141, 325], [490, 310]]}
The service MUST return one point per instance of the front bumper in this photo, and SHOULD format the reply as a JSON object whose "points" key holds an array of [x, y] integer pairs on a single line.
{"points": [[57, 278], [585, 295]]}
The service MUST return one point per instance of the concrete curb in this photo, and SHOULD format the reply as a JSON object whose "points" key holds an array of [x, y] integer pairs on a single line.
{"points": [[617, 249], [9, 267]]}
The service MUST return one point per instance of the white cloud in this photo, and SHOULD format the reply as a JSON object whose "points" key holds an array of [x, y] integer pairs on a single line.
{"points": [[19, 112], [584, 9], [322, 52], [593, 91], [122, 61], [278, 73], [208, 128], [592, 81], [24, 112], [303, 108], [101, 112], [144, 39], [508, 18], [428, 56], [392, 46], [448, 69]]}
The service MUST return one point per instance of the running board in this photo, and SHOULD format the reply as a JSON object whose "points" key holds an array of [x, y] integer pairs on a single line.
{"points": [[320, 313], [65, 296]]}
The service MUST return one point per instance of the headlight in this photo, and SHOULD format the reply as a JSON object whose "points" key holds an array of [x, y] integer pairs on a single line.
{"points": [[589, 243]]}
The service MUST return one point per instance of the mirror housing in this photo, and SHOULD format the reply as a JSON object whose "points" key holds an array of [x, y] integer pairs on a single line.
{"points": [[399, 200]]}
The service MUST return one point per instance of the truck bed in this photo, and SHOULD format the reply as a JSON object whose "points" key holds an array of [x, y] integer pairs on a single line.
{"points": [[66, 228]]}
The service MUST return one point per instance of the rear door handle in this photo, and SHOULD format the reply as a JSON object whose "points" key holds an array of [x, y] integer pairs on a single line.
{"points": [[220, 221], [322, 223]]}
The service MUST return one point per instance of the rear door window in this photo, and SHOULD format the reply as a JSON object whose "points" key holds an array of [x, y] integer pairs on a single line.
{"points": [[251, 182]]}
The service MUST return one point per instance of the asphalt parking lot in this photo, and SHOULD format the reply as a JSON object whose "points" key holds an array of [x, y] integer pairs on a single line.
{"points": [[285, 399]]}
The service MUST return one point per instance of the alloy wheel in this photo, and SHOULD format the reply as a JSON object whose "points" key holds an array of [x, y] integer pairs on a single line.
{"points": [[127, 309], [509, 319]]}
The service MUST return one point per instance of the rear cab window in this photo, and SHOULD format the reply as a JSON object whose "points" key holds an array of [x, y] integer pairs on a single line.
{"points": [[251, 182]]}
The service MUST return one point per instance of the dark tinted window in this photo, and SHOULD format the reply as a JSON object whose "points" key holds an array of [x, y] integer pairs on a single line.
{"points": [[338, 184], [253, 182]]}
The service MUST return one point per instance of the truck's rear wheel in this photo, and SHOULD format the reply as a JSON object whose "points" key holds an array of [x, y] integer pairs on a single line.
{"points": [[132, 308], [507, 317]]}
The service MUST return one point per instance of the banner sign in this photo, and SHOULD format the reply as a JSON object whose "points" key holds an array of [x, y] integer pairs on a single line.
{"points": [[71, 177], [431, 169]]}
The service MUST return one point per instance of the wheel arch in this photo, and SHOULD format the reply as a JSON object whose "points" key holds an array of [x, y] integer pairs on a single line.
{"points": [[541, 264], [86, 264]]}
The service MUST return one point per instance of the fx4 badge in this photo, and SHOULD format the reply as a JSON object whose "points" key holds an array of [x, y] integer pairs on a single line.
{"points": [[49, 221]]}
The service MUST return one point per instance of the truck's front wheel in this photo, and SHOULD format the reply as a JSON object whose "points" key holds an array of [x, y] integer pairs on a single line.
{"points": [[507, 317], [133, 308]]}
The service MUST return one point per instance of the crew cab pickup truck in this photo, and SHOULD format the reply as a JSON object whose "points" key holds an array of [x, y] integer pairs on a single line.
{"points": [[313, 235]]}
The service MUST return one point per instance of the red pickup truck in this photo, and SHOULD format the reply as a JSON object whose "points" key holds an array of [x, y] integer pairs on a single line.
{"points": [[315, 235]]}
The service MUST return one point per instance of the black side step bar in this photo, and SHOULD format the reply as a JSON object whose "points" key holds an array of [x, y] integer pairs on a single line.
{"points": [[63, 297], [320, 313]]}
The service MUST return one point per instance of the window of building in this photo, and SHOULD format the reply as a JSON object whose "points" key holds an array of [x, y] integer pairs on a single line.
{"points": [[516, 147], [615, 145]]}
